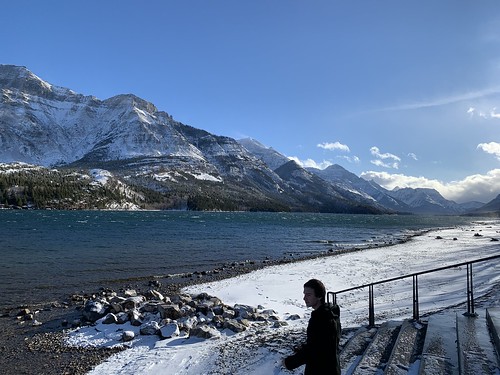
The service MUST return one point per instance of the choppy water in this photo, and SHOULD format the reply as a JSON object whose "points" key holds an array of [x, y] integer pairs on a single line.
{"points": [[45, 254]]}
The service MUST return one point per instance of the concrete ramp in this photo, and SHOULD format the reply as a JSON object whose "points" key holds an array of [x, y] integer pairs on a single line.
{"points": [[475, 350], [439, 355]]}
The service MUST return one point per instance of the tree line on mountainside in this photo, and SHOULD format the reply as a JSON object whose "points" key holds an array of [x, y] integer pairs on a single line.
{"points": [[70, 189]]}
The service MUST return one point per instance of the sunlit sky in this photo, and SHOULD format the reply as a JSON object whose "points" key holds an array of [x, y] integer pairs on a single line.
{"points": [[405, 93]]}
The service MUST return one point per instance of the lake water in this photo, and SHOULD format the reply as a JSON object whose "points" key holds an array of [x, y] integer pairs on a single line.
{"points": [[47, 254]]}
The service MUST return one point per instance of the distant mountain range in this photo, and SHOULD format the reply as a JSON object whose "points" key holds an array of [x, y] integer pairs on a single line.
{"points": [[149, 160]]}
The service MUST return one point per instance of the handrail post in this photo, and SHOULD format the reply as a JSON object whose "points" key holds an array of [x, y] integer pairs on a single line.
{"points": [[371, 307], [470, 292], [416, 312], [334, 297]]}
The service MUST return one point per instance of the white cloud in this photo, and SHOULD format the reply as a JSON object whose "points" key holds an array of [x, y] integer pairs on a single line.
{"points": [[380, 162], [350, 159], [310, 163], [477, 187], [413, 156], [334, 146], [490, 148], [375, 151], [493, 113]]}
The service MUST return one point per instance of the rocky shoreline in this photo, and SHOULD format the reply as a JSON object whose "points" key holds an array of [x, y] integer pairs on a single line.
{"points": [[32, 337]]}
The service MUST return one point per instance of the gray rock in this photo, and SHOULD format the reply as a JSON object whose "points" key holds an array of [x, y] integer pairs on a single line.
{"points": [[150, 328], [150, 307], [93, 311], [229, 314], [128, 336], [135, 318], [133, 302], [130, 293], [169, 311], [169, 330], [154, 295], [205, 332], [279, 323], [234, 325], [122, 318], [244, 311], [110, 318]]}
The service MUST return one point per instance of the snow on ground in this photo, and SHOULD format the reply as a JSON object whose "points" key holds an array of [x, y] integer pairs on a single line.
{"points": [[259, 350]]}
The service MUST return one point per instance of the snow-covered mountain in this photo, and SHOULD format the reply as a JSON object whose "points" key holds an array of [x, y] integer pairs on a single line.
{"points": [[269, 155], [426, 201], [340, 176], [176, 165], [51, 126], [408, 200], [492, 208], [48, 125]]}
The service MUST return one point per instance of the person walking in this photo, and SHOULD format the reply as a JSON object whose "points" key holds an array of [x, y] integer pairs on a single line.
{"points": [[320, 351]]}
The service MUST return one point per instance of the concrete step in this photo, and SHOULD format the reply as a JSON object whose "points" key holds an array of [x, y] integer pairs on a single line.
{"points": [[493, 319], [353, 351], [378, 351], [447, 343], [476, 351], [439, 354], [404, 349]]}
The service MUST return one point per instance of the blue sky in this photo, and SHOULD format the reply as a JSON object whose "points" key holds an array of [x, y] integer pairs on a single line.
{"points": [[405, 93]]}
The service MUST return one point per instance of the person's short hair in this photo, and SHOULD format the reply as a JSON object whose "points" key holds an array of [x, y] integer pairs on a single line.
{"points": [[318, 287]]}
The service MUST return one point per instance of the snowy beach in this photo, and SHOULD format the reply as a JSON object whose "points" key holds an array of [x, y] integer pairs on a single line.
{"points": [[259, 349]]}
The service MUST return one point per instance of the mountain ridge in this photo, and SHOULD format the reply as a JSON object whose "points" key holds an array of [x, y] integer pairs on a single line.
{"points": [[180, 165]]}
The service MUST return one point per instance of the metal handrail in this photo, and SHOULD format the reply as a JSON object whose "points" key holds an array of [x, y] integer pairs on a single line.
{"points": [[416, 313]]}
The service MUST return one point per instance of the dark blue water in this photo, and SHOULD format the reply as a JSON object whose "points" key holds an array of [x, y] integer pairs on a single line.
{"points": [[44, 254]]}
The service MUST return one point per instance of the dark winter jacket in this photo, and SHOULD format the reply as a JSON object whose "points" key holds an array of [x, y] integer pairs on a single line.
{"points": [[320, 352]]}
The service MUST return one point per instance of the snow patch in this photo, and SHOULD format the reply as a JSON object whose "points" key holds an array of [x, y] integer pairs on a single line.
{"points": [[100, 176]]}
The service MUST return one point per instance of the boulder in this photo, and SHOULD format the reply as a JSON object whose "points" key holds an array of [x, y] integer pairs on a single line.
{"points": [[244, 311], [122, 318], [135, 318], [128, 336], [234, 325], [132, 302], [150, 307], [169, 330], [229, 314], [110, 318], [93, 311], [188, 323], [150, 328], [205, 332], [24, 312], [154, 295], [130, 293], [279, 323], [169, 311]]}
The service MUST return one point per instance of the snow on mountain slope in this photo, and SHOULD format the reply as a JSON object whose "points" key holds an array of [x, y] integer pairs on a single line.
{"points": [[267, 154], [57, 126], [47, 125]]}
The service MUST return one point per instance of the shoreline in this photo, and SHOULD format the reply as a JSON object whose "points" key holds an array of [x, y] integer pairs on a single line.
{"points": [[27, 348]]}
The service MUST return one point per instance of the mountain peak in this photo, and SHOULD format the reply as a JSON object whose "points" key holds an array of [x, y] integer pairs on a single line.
{"points": [[132, 101], [22, 79]]}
